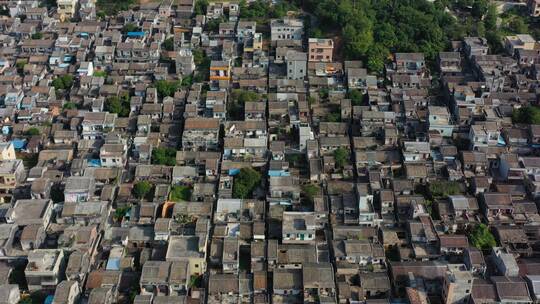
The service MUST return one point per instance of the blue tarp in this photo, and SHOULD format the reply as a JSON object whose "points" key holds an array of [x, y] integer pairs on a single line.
{"points": [[94, 163], [278, 173], [113, 264], [19, 144], [501, 141], [49, 299], [6, 130], [233, 172], [135, 34]]}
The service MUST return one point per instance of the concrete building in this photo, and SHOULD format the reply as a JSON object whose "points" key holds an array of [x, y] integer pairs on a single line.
{"points": [[519, 42], [320, 50], [67, 8], [296, 64], [286, 29], [44, 269], [457, 284], [534, 7]]}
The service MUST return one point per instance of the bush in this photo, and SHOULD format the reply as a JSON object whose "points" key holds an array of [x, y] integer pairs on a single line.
{"points": [[142, 189], [164, 156], [481, 238], [180, 193], [245, 182]]}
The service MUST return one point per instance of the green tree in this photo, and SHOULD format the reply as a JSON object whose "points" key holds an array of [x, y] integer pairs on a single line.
{"points": [[142, 189], [333, 117], [490, 20], [164, 156], [69, 106], [235, 107], [527, 115], [130, 27], [341, 156], [245, 182], [439, 189], [32, 132], [187, 81], [180, 193], [120, 213], [108, 7], [481, 238], [100, 73], [119, 105], [479, 8], [310, 191], [518, 26], [356, 97], [200, 7], [37, 36], [168, 44], [64, 82], [167, 88]]}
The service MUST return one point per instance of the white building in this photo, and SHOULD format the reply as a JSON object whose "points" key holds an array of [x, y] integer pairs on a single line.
{"points": [[296, 64], [286, 29]]}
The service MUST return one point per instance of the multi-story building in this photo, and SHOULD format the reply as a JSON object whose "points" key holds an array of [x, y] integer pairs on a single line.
{"points": [[296, 64], [320, 50], [67, 8], [200, 134], [96, 124], [457, 284], [534, 7], [44, 269], [11, 174], [286, 29]]}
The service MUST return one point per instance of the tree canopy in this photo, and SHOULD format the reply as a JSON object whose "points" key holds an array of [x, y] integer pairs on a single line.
{"points": [[130, 27], [200, 7], [168, 44], [180, 193], [245, 182], [32, 132], [119, 105], [164, 156], [481, 238], [235, 108], [142, 189], [167, 88], [356, 97], [527, 115], [64, 82], [372, 30], [341, 156], [444, 188]]}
